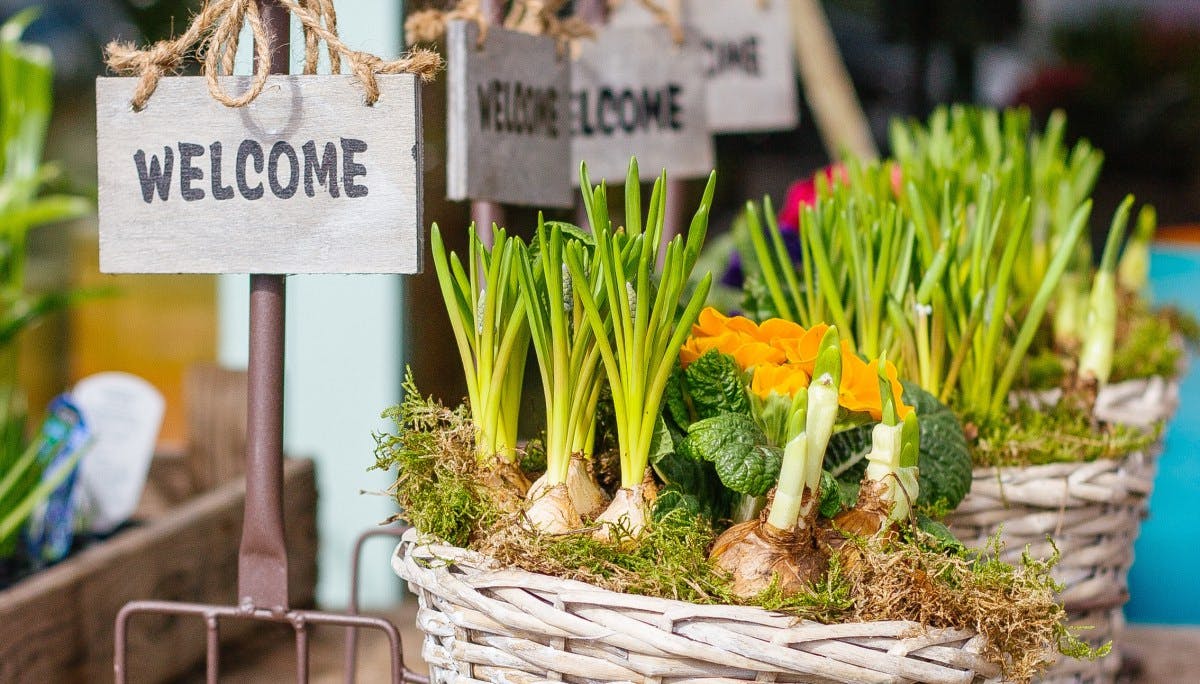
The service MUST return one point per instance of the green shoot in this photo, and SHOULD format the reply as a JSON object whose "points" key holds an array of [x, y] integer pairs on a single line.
{"points": [[633, 310], [489, 322], [567, 353], [804, 455], [1095, 359]]}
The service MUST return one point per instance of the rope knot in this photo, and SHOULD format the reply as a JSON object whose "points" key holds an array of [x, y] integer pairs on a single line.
{"points": [[216, 28]]}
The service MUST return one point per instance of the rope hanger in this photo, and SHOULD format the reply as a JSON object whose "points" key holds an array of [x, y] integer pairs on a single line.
{"points": [[535, 17], [214, 34]]}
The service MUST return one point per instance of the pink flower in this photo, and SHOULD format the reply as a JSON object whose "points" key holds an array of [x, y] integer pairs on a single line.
{"points": [[803, 193]]}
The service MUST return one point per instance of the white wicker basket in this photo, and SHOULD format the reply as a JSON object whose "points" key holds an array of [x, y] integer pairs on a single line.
{"points": [[489, 624], [1092, 511]]}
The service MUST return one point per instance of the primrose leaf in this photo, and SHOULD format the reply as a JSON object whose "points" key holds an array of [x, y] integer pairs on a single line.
{"points": [[672, 498], [736, 446], [674, 400], [939, 532], [832, 499], [661, 444], [714, 382]]}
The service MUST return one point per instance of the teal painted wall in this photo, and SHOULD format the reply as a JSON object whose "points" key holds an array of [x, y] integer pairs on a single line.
{"points": [[1162, 586], [344, 362]]}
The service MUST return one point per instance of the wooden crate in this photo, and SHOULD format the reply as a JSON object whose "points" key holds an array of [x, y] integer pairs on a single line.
{"points": [[58, 624]]}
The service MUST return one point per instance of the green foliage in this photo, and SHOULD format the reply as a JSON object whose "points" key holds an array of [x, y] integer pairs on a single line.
{"points": [[738, 449], [633, 304], [715, 386], [675, 399], [944, 459], [691, 483], [1033, 436], [26, 75], [835, 496], [437, 485], [488, 316]]}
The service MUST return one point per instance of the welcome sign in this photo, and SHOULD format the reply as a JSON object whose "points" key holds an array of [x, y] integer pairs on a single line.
{"points": [[634, 92], [508, 118], [749, 63], [305, 179]]}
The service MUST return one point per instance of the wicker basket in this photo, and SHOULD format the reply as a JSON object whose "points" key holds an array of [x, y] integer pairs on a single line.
{"points": [[1140, 403], [487, 624], [1092, 511]]}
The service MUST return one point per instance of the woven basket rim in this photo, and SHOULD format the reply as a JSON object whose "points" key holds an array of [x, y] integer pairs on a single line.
{"points": [[485, 564], [457, 556]]}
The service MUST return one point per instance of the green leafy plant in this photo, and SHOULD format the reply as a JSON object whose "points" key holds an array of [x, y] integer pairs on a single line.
{"points": [[568, 355], [488, 317], [633, 309], [26, 74]]}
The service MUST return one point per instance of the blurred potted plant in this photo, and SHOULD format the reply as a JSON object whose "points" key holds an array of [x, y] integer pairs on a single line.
{"points": [[26, 79]]}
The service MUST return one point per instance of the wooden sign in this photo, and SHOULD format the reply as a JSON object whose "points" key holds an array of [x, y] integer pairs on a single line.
{"points": [[306, 179], [508, 114], [635, 93], [749, 63]]}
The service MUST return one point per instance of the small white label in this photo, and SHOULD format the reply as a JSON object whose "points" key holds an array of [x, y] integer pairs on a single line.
{"points": [[124, 414]]}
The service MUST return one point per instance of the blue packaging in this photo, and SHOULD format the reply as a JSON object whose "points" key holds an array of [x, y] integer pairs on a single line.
{"points": [[50, 530]]}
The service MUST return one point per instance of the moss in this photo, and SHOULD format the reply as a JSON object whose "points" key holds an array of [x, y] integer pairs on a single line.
{"points": [[1148, 343], [437, 486], [1029, 436], [1015, 608], [669, 561]]}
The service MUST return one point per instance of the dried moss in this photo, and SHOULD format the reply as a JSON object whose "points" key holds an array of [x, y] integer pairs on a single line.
{"points": [[1031, 436], [1014, 607], [437, 484]]}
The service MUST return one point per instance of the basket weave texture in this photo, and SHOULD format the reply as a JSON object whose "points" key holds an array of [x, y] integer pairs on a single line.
{"points": [[1093, 513], [488, 624]]}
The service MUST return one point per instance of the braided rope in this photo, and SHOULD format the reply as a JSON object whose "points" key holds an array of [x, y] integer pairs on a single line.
{"points": [[484, 623], [214, 32]]}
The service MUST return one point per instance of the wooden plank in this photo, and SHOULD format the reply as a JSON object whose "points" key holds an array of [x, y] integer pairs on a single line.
{"points": [[827, 87], [216, 401], [306, 179], [59, 623], [508, 118], [750, 63], [636, 93]]}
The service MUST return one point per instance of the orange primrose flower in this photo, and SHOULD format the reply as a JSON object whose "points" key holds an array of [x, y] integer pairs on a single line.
{"points": [[803, 349], [752, 354], [859, 390], [774, 329], [783, 380]]}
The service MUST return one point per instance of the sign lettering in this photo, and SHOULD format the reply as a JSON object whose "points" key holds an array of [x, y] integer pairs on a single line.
{"points": [[725, 55], [750, 58], [609, 111], [305, 179], [635, 93], [154, 175], [513, 107], [508, 109]]}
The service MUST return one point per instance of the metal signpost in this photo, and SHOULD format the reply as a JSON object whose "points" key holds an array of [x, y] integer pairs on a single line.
{"points": [[262, 566]]}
